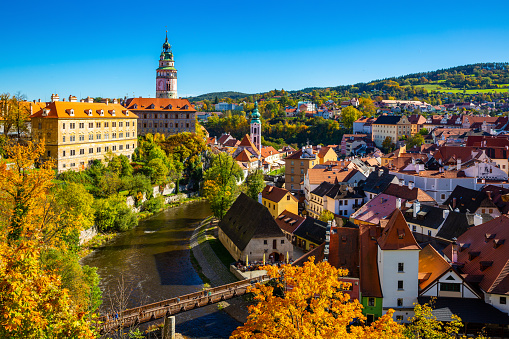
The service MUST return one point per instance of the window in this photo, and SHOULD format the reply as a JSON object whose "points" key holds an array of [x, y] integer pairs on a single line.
{"points": [[40, 125], [63, 125], [442, 196], [113, 135], [400, 284], [282, 242], [401, 267], [90, 150], [90, 125], [127, 124], [371, 302], [63, 138], [106, 148], [121, 147], [114, 148], [90, 137], [82, 151], [127, 135], [98, 125], [120, 124], [449, 287], [503, 300], [370, 318], [429, 233], [121, 135], [82, 125], [399, 318], [302, 163], [414, 228], [72, 125], [302, 171], [291, 170], [288, 197], [292, 162], [114, 124], [73, 164], [98, 150], [265, 242], [73, 152], [106, 124], [63, 153], [400, 302], [82, 138], [49, 153], [98, 137]]}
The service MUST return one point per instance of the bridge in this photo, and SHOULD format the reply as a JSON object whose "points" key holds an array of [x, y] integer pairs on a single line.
{"points": [[168, 307]]}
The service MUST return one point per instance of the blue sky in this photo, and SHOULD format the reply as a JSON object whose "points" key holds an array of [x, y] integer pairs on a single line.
{"points": [[111, 48]]}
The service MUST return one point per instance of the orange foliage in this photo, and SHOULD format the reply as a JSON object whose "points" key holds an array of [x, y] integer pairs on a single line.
{"points": [[313, 306]]}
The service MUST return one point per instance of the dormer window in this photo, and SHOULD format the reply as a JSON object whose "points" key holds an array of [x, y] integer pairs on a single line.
{"points": [[45, 112], [113, 112], [126, 113], [70, 112], [101, 113], [135, 106], [89, 113]]}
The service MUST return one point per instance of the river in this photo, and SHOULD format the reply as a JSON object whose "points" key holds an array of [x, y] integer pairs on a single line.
{"points": [[153, 260]]}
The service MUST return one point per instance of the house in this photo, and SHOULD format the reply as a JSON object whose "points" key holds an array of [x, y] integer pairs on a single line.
{"points": [[377, 210], [377, 182], [310, 234], [398, 267], [288, 222], [351, 141], [465, 200], [277, 200], [339, 199], [409, 193], [392, 126], [363, 125], [248, 230]]}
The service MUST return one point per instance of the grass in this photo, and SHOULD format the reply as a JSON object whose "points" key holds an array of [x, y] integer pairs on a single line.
{"points": [[221, 252], [434, 87], [198, 269], [277, 171]]}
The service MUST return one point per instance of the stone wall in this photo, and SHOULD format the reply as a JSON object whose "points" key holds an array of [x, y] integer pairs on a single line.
{"points": [[87, 235]]}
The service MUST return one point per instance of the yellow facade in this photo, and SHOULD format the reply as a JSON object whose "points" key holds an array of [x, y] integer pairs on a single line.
{"points": [[76, 133], [288, 202]]}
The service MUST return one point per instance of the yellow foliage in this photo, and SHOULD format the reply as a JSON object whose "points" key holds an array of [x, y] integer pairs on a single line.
{"points": [[313, 306]]}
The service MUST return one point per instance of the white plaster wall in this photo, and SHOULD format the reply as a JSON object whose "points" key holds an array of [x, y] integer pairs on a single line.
{"points": [[494, 299], [256, 247]]}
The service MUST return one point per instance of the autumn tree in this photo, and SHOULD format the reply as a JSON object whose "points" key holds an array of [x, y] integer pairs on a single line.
{"points": [[327, 216], [388, 145], [349, 115], [254, 184], [367, 107], [220, 186], [34, 302], [416, 140], [310, 304]]}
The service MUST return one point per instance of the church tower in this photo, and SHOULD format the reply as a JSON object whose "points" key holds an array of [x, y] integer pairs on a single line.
{"points": [[166, 78], [256, 128]]}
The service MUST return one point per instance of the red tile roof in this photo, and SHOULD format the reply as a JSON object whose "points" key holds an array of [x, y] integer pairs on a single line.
{"points": [[80, 110], [480, 249], [397, 235], [246, 142], [378, 208], [276, 194], [404, 192], [288, 221], [368, 270], [431, 266], [160, 104]]}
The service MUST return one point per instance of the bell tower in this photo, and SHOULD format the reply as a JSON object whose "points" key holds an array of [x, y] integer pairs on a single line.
{"points": [[166, 74], [256, 128]]}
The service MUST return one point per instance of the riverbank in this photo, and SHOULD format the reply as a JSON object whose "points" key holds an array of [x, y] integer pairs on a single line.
{"points": [[100, 239], [209, 264]]}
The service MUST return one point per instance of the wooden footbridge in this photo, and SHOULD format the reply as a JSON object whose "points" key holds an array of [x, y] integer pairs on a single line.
{"points": [[166, 308]]}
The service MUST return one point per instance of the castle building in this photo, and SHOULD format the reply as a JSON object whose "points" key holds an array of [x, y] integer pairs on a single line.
{"points": [[166, 74], [77, 133]]}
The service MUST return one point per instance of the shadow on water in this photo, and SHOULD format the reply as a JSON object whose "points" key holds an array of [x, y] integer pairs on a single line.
{"points": [[174, 267], [212, 326]]}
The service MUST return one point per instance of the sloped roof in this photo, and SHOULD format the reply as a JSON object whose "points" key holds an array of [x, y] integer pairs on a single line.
{"points": [[480, 240], [368, 270], [312, 230], [62, 109], [396, 235], [387, 120], [246, 142], [160, 104], [378, 181], [428, 216], [319, 175], [289, 221], [231, 143], [267, 151], [275, 194], [499, 196], [322, 189], [247, 219], [470, 310], [222, 139], [468, 199], [404, 192], [246, 156], [416, 119], [432, 264], [377, 209], [344, 249]]}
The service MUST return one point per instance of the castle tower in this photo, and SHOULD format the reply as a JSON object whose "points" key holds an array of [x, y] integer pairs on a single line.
{"points": [[166, 75], [256, 128]]}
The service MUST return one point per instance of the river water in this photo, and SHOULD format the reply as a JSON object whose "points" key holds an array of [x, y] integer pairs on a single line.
{"points": [[151, 263]]}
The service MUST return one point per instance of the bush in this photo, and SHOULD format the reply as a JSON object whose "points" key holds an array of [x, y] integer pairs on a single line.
{"points": [[113, 214], [153, 205]]}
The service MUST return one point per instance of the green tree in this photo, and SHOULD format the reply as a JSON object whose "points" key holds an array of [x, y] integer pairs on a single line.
{"points": [[423, 131], [388, 145], [157, 171], [367, 107], [113, 214], [349, 115], [416, 140], [326, 216], [220, 186], [254, 184]]}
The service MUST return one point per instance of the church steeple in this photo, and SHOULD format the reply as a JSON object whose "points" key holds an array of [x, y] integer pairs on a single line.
{"points": [[166, 78], [256, 128]]}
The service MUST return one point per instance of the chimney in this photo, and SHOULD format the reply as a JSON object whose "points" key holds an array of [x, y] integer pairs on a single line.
{"points": [[411, 185], [416, 208], [380, 172], [398, 203], [455, 246], [458, 164], [54, 97], [488, 193], [115, 101], [402, 182], [453, 203], [445, 214], [39, 100], [72, 98], [477, 219], [89, 100]]}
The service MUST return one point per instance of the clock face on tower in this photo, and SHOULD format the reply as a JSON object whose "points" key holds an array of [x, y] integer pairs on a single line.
{"points": [[160, 85]]}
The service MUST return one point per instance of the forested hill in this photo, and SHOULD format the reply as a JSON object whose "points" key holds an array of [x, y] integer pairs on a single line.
{"points": [[219, 95], [474, 79]]}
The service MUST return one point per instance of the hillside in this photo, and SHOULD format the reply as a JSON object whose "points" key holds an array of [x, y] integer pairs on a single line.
{"points": [[220, 95]]}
